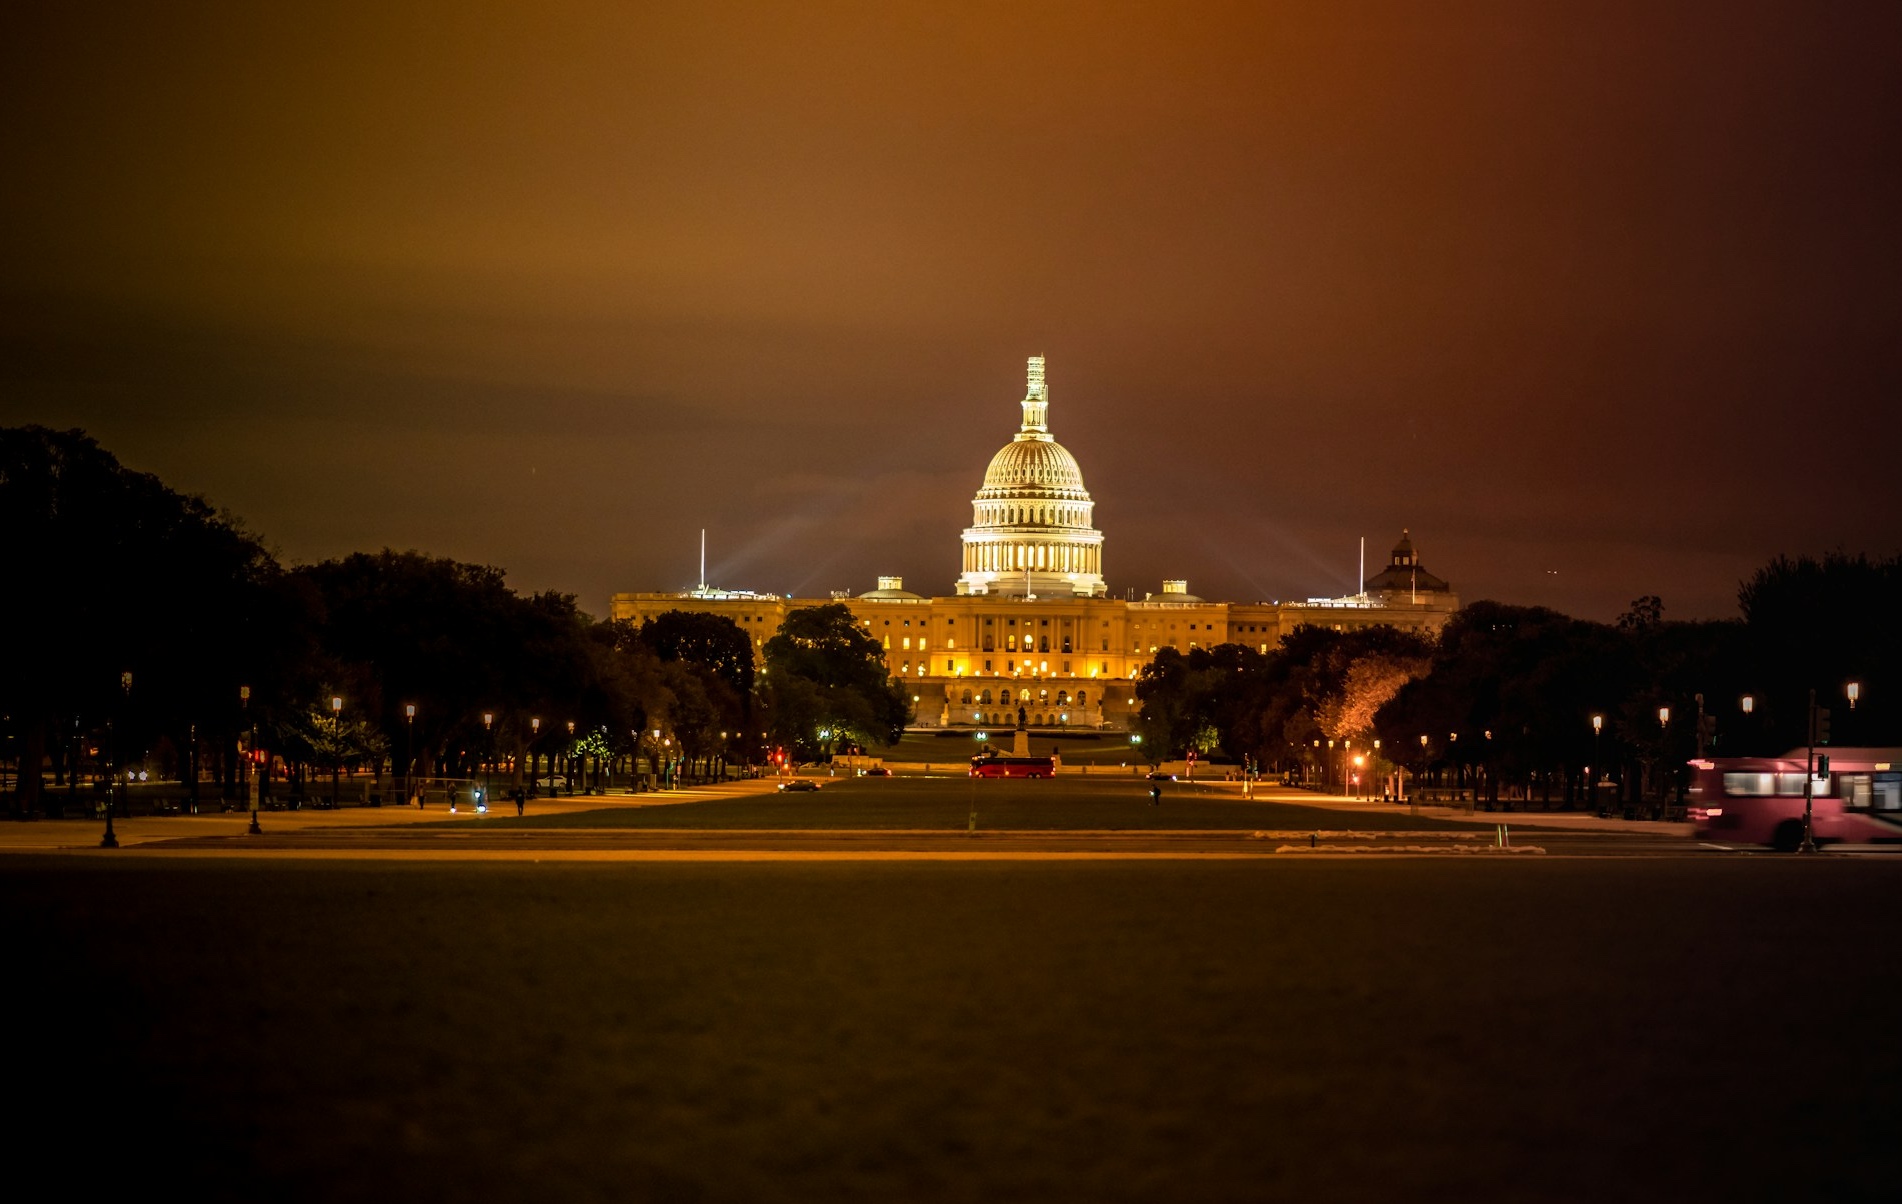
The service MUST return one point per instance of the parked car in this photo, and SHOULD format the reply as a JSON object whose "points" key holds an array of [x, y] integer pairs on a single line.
{"points": [[799, 784]]}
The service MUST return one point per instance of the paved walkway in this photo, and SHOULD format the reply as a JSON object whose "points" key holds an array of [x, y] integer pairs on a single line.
{"points": [[48, 834], [1579, 821]]}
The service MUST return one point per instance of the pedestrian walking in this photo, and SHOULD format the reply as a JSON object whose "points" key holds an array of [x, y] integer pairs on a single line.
{"points": [[1155, 794]]}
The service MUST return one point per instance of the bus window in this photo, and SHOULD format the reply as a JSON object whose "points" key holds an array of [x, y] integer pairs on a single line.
{"points": [[1853, 789], [1749, 785], [1886, 791]]}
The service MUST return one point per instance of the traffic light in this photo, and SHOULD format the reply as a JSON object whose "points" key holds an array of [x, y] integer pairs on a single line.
{"points": [[1822, 725], [1822, 766]]}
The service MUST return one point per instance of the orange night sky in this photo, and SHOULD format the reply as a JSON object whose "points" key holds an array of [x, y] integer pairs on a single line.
{"points": [[1599, 299]]}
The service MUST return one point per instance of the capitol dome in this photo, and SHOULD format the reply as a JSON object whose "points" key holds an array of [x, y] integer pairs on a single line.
{"points": [[1030, 530], [1038, 463]]}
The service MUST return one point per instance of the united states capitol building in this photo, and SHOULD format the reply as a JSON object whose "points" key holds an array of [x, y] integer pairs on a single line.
{"points": [[1031, 622]]}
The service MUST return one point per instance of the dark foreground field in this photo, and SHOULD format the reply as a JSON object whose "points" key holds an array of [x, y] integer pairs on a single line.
{"points": [[1419, 1030]]}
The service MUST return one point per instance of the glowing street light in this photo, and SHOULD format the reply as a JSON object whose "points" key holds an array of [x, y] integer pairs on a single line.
{"points": [[1854, 691], [336, 751], [488, 762], [409, 745], [1749, 704], [247, 770]]}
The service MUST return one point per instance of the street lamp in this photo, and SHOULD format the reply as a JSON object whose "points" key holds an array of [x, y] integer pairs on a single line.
{"points": [[111, 840], [1664, 728], [248, 768], [534, 758], [1598, 729], [1749, 704], [1854, 691], [336, 746], [409, 756], [488, 761]]}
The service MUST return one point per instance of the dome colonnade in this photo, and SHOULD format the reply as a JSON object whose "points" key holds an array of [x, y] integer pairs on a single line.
{"points": [[1030, 532]]}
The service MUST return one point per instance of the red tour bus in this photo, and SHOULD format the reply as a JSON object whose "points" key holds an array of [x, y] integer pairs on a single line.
{"points": [[1012, 767], [1759, 800]]}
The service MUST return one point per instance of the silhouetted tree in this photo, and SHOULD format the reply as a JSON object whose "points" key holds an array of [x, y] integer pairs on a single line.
{"points": [[824, 672]]}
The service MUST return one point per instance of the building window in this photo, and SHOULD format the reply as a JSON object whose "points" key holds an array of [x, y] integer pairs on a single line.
{"points": [[987, 669], [1004, 698], [907, 641]]}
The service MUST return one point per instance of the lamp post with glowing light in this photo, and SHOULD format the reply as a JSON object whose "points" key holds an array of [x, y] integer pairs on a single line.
{"points": [[409, 753], [1664, 749], [1853, 692], [488, 759], [534, 758], [1591, 781], [336, 746], [248, 766]]}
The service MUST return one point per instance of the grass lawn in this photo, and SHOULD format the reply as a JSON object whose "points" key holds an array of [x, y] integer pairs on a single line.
{"points": [[1417, 1030], [1070, 804]]}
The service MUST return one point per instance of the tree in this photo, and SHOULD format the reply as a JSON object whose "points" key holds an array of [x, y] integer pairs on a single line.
{"points": [[824, 674], [450, 638], [1815, 624], [711, 640], [113, 573]]}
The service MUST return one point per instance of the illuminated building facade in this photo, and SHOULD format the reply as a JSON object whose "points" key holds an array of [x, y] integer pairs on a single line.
{"points": [[1031, 624]]}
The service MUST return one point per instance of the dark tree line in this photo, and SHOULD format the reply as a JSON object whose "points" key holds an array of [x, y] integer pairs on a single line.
{"points": [[1505, 698], [140, 624]]}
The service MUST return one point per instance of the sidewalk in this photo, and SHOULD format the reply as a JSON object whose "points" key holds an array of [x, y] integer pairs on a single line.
{"points": [[53, 834], [1580, 821]]}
